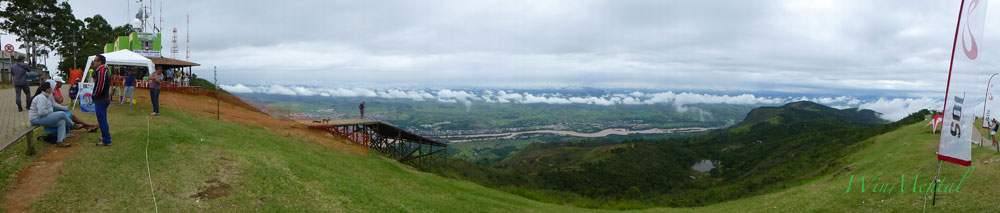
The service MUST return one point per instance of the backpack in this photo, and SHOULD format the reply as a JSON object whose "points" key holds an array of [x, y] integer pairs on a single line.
{"points": [[50, 138]]}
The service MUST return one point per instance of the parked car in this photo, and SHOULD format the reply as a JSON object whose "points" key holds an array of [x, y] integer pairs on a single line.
{"points": [[34, 78]]}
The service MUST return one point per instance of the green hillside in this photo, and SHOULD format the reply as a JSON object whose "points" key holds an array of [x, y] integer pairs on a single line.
{"points": [[201, 164], [908, 151], [785, 146], [805, 110]]}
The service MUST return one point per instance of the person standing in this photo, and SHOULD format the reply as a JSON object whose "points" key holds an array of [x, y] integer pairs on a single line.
{"points": [[993, 131], [20, 76], [362, 108], [102, 100], [154, 90], [993, 128], [74, 90], [129, 88]]}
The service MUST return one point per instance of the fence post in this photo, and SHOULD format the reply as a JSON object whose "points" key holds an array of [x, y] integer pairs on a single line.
{"points": [[31, 146]]}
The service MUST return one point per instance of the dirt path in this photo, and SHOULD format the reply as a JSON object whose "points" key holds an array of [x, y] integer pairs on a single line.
{"points": [[32, 181]]}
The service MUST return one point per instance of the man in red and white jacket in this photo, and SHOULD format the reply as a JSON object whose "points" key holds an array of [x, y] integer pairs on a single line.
{"points": [[102, 98]]}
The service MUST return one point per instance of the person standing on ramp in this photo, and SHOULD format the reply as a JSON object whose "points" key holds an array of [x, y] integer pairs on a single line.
{"points": [[362, 108]]}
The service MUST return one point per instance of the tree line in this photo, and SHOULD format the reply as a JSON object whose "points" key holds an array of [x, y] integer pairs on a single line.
{"points": [[48, 26]]}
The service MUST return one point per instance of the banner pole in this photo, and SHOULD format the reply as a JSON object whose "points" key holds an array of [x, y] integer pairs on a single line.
{"points": [[986, 100], [947, 89], [938, 172]]}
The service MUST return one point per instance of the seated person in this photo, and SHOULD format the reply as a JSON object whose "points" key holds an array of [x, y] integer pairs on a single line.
{"points": [[57, 97], [42, 113]]}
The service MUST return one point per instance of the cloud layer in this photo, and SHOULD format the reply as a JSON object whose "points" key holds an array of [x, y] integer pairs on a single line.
{"points": [[891, 108], [817, 47]]}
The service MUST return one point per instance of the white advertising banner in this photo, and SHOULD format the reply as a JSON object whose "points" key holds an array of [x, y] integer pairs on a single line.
{"points": [[955, 145], [989, 103]]}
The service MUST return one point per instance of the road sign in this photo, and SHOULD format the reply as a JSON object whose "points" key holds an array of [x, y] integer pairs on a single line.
{"points": [[9, 48]]}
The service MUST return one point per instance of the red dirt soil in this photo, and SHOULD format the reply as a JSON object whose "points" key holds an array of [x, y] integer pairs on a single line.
{"points": [[244, 114], [44, 172], [39, 176]]}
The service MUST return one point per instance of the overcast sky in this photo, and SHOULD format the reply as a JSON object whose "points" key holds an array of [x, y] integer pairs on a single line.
{"points": [[821, 47]]}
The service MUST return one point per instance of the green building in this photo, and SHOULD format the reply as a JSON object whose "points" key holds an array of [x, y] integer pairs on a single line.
{"points": [[145, 44]]}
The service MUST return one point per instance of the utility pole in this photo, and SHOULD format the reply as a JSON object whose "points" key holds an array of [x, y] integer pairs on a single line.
{"points": [[218, 104]]}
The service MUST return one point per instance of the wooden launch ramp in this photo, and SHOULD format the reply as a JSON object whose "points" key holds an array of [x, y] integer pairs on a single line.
{"points": [[405, 147]]}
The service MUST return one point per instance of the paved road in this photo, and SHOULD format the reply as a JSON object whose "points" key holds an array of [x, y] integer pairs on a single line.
{"points": [[13, 121], [979, 137]]}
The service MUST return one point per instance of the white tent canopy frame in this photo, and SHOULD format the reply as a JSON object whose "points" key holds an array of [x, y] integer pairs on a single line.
{"points": [[121, 57]]}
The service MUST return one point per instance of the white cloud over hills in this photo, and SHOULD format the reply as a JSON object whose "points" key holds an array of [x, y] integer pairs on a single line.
{"points": [[891, 108]]}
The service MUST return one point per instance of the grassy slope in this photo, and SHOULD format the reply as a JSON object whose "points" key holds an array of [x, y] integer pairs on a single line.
{"points": [[908, 151], [265, 171], [271, 172]]}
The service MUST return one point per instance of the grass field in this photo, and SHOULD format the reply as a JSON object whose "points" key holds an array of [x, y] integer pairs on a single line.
{"points": [[200, 164]]}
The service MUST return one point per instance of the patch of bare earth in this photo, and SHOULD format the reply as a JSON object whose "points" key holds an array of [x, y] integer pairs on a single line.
{"points": [[219, 185], [207, 106], [31, 182], [214, 189]]}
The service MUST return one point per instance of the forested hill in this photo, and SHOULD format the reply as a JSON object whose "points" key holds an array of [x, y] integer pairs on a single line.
{"points": [[805, 110], [778, 148]]}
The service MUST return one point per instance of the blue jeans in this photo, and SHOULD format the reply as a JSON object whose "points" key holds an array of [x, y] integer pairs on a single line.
{"points": [[154, 95], [27, 95], [102, 120], [128, 93], [58, 120]]}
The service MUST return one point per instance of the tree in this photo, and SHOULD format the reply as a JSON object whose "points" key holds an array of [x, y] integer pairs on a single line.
{"points": [[45, 26], [32, 21], [91, 35]]}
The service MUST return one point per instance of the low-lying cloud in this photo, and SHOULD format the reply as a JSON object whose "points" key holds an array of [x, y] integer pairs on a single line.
{"points": [[891, 108]]}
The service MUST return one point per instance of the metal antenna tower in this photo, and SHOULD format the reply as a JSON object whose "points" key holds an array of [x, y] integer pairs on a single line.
{"points": [[174, 49]]}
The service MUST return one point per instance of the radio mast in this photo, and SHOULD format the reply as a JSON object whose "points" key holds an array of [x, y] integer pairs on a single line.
{"points": [[187, 45], [174, 49]]}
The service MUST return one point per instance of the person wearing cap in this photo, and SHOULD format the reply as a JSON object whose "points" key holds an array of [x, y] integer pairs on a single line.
{"points": [[20, 76], [57, 104]]}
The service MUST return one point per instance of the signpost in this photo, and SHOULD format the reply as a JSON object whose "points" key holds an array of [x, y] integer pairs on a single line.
{"points": [[9, 48]]}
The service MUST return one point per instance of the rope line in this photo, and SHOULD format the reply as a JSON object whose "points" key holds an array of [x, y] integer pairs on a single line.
{"points": [[148, 174]]}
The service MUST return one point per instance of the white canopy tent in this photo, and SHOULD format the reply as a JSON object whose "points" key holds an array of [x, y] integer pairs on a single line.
{"points": [[121, 57]]}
